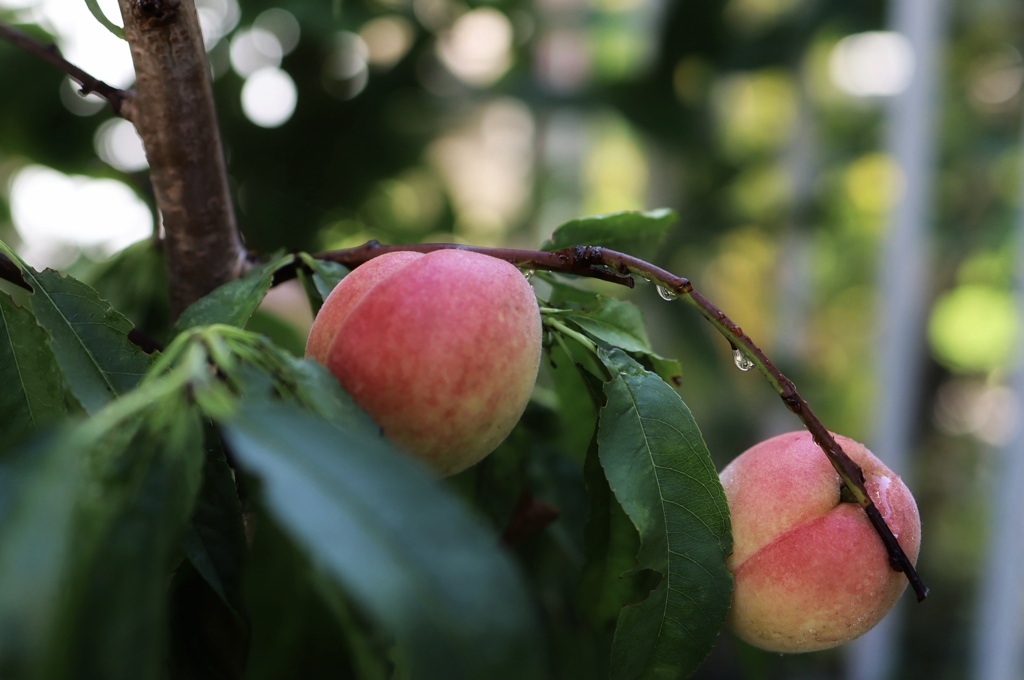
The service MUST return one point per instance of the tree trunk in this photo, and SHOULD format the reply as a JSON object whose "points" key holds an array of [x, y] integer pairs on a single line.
{"points": [[174, 114]]}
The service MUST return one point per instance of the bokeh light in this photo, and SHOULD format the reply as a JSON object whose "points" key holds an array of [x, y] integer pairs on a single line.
{"points": [[217, 18], [57, 216], [269, 97], [974, 328], [281, 24], [996, 78], [255, 49], [78, 104], [486, 165], [477, 48], [872, 64], [83, 40], [387, 40], [118, 143]]}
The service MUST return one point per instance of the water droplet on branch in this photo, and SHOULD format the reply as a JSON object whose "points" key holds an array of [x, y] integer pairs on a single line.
{"points": [[666, 293], [741, 360]]}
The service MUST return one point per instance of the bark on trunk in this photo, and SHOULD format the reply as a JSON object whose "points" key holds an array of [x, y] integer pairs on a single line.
{"points": [[174, 114]]}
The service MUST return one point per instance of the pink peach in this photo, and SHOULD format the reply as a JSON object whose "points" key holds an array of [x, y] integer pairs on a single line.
{"points": [[810, 571], [440, 349]]}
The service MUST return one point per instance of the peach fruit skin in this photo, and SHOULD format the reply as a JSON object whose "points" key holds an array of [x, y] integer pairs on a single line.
{"points": [[440, 349], [811, 572]]}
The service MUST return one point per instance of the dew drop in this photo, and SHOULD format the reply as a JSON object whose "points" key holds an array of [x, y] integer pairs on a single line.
{"points": [[741, 360], [666, 294], [529, 274]]}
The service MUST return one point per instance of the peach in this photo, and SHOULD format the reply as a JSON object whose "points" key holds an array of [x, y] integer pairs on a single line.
{"points": [[810, 571], [440, 349]]}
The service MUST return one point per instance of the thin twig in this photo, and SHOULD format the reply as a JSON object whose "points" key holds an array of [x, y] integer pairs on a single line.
{"points": [[611, 265], [121, 101]]}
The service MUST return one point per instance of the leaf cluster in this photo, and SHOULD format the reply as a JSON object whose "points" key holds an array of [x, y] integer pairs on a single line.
{"points": [[223, 509]]}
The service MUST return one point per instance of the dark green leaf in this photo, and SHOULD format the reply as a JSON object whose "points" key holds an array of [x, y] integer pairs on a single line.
{"points": [[278, 331], [88, 338], [565, 293], [120, 629], [581, 353], [614, 322], [325, 275], [408, 553], [617, 323], [134, 282], [215, 540], [208, 639], [659, 469], [41, 485], [578, 399], [306, 383], [89, 544], [32, 394], [235, 301], [608, 581], [638, 233], [302, 626]]}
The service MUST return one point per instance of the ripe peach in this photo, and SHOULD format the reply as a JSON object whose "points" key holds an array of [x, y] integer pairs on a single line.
{"points": [[441, 350], [810, 571]]}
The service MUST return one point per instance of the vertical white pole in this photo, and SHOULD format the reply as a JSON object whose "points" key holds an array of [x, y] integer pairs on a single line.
{"points": [[903, 282], [1000, 614]]}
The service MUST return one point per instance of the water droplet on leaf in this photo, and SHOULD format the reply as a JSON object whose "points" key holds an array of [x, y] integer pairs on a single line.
{"points": [[741, 360]]}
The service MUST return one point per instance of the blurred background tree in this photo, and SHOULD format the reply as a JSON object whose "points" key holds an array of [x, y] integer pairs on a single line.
{"points": [[764, 124]]}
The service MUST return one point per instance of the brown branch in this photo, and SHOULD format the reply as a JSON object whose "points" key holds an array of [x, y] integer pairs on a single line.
{"points": [[610, 265], [120, 100], [175, 116]]}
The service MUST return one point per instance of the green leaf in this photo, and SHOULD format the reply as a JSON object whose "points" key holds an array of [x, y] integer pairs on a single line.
{"points": [[235, 301], [39, 490], [578, 399], [277, 330], [119, 629], [608, 581], [208, 639], [659, 469], [90, 540], [617, 323], [326, 275], [88, 337], [33, 394], [409, 555], [144, 301], [215, 539], [301, 623], [638, 233], [319, 278], [614, 323]]}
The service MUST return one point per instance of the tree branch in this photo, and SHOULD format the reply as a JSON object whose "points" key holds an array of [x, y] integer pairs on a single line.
{"points": [[610, 265], [175, 116], [120, 100]]}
